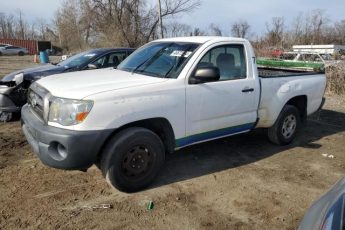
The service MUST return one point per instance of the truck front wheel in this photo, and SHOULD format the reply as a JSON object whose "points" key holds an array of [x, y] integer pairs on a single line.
{"points": [[286, 126], [132, 159]]}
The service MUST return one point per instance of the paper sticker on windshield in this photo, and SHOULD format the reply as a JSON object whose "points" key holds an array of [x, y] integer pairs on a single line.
{"points": [[187, 54], [89, 55], [179, 53]]}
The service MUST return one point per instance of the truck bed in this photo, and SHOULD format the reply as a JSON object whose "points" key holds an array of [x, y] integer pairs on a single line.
{"points": [[279, 86], [265, 72]]}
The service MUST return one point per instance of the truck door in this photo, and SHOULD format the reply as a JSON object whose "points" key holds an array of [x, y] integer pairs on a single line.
{"points": [[224, 107]]}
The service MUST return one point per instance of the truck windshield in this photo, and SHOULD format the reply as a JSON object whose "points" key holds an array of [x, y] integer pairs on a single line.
{"points": [[159, 59]]}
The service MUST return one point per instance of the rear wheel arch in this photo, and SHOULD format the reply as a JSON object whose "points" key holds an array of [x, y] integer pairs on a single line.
{"points": [[301, 103], [296, 106]]}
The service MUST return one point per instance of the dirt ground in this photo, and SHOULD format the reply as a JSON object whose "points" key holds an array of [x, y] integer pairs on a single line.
{"points": [[10, 64], [240, 182]]}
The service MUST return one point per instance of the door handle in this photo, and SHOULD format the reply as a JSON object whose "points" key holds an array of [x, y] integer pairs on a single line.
{"points": [[247, 90]]}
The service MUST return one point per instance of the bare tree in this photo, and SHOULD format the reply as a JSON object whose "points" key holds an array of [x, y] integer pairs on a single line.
{"points": [[240, 29], [318, 22], [135, 22], [296, 33], [197, 32], [42, 28], [340, 31], [275, 31], [67, 22], [175, 29], [80, 24], [21, 26], [7, 25], [215, 30]]}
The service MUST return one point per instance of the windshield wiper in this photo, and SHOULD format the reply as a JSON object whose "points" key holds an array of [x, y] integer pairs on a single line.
{"points": [[151, 59]]}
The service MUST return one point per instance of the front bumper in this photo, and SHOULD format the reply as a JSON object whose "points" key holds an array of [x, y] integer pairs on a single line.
{"points": [[61, 148], [7, 105]]}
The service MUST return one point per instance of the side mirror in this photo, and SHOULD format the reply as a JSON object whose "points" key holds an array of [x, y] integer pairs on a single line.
{"points": [[205, 74], [92, 66]]}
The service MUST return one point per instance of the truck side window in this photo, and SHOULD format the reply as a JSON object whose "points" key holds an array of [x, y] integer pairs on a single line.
{"points": [[229, 59]]}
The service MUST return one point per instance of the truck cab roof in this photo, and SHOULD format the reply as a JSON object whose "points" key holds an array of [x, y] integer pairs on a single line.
{"points": [[201, 39]]}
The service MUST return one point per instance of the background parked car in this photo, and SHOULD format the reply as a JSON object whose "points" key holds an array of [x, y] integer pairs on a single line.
{"points": [[3, 45], [13, 50], [327, 213], [13, 87]]}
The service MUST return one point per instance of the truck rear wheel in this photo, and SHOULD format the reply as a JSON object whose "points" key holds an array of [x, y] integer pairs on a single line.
{"points": [[132, 159], [286, 126]]}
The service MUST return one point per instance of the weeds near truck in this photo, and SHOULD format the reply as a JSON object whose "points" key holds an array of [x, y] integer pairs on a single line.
{"points": [[335, 74]]}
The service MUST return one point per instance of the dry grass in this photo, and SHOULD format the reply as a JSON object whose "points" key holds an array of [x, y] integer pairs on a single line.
{"points": [[9, 64], [335, 74]]}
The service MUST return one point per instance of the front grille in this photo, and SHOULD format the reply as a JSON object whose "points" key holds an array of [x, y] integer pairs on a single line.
{"points": [[36, 98]]}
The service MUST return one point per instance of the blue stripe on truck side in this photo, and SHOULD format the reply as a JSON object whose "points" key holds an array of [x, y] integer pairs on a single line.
{"points": [[212, 134]]}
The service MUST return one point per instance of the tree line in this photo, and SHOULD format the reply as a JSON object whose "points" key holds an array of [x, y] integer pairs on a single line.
{"points": [[81, 24]]}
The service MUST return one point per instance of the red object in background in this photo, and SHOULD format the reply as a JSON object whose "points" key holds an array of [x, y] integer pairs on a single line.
{"points": [[277, 53], [31, 45]]}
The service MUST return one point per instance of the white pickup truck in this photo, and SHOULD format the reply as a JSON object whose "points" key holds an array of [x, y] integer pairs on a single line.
{"points": [[169, 94]]}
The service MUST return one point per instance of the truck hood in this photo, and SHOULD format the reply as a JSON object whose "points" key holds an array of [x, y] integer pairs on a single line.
{"points": [[78, 85]]}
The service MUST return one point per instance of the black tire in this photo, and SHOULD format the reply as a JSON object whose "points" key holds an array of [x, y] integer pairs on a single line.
{"points": [[286, 127], [0, 54], [21, 53], [132, 159]]}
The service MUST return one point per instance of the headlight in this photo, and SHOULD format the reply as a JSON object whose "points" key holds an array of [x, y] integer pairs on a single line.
{"points": [[18, 78], [69, 112]]}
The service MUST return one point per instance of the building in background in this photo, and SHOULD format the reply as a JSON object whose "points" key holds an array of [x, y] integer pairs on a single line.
{"points": [[33, 46]]}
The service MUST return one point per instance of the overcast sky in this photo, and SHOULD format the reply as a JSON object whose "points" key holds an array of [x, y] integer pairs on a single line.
{"points": [[220, 12]]}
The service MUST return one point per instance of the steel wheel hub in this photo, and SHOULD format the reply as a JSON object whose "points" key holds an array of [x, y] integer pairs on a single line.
{"points": [[289, 126], [136, 161]]}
